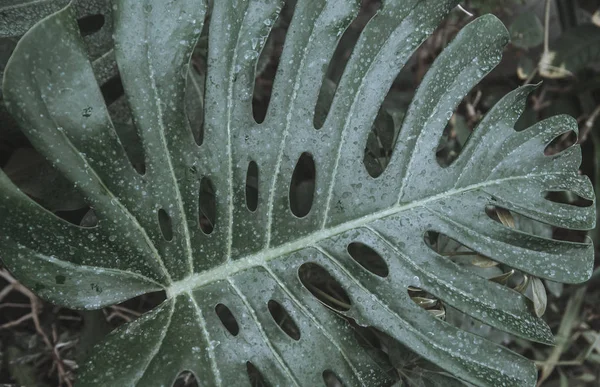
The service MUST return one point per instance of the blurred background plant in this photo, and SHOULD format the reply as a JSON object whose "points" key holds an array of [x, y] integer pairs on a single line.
{"points": [[555, 43]]}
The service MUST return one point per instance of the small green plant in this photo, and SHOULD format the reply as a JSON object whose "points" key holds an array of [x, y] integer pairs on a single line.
{"points": [[265, 274]]}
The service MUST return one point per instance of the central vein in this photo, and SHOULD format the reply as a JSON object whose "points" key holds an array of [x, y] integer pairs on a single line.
{"points": [[225, 271]]}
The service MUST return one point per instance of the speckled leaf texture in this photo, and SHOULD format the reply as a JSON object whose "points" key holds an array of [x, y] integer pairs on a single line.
{"points": [[250, 258]]}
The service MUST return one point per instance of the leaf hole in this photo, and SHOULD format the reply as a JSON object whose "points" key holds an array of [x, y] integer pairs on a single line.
{"points": [[166, 225], [561, 143], [268, 62], [331, 379], [112, 89], [460, 124], [368, 258], [340, 58], [535, 227], [462, 255], [256, 377], [302, 186], [186, 379], [567, 197], [227, 319], [90, 24], [207, 206], [194, 99], [252, 186], [427, 301], [380, 142], [283, 319], [324, 287]]}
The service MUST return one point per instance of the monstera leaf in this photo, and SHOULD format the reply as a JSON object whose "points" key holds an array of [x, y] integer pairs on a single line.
{"points": [[230, 263]]}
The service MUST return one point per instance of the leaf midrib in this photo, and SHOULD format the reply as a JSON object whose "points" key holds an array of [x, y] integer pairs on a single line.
{"points": [[225, 271]]}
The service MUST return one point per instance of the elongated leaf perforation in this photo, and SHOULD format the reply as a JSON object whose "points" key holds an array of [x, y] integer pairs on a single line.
{"points": [[368, 258], [302, 185], [331, 379], [282, 318], [90, 24], [166, 226], [252, 184], [255, 376], [568, 197], [267, 62], [228, 319], [207, 211], [324, 287], [337, 65], [187, 379]]}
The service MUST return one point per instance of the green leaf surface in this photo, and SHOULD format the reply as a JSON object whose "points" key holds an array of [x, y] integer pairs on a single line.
{"points": [[526, 31], [150, 234]]}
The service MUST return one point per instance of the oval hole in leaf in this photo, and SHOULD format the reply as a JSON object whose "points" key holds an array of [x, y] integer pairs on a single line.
{"points": [[255, 376], [268, 63], [194, 97], [331, 379], [207, 206], [186, 379], [283, 319], [112, 89], [535, 227], [338, 62], [427, 301], [567, 197], [252, 186], [166, 226], [90, 24], [302, 186], [324, 287], [368, 258], [227, 319], [560, 143]]}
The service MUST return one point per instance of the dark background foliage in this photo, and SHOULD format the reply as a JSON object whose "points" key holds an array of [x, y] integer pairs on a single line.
{"points": [[42, 344]]}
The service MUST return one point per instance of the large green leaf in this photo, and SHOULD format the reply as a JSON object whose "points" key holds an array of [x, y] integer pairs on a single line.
{"points": [[150, 234]]}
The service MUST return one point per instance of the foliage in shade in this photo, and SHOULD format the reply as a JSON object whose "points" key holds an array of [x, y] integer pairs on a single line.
{"points": [[576, 49], [154, 231]]}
